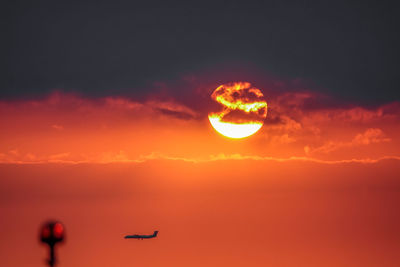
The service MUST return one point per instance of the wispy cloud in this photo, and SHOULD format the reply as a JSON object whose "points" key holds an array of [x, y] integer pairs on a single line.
{"points": [[370, 136], [121, 157], [57, 127]]}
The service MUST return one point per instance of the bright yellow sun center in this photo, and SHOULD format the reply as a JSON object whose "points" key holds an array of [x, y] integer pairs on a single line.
{"points": [[243, 110]]}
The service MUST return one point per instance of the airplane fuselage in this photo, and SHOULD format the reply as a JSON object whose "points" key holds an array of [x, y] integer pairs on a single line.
{"points": [[142, 236]]}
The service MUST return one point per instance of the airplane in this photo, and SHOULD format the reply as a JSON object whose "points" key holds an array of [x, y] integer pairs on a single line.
{"points": [[142, 236]]}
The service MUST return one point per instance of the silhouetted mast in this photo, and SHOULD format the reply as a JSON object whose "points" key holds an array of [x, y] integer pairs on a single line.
{"points": [[52, 233]]}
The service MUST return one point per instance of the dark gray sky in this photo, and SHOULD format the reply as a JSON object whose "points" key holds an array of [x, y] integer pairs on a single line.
{"points": [[349, 49]]}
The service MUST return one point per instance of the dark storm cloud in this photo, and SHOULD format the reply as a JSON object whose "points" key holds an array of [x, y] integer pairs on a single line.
{"points": [[177, 114], [102, 48]]}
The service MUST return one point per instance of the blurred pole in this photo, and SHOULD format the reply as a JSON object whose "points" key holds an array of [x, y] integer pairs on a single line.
{"points": [[51, 234], [52, 257]]}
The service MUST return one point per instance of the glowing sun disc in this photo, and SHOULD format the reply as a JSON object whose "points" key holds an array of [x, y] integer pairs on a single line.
{"points": [[234, 130], [242, 110]]}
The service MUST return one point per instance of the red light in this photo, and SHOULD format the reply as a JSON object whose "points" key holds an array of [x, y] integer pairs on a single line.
{"points": [[58, 230], [52, 233], [46, 232]]}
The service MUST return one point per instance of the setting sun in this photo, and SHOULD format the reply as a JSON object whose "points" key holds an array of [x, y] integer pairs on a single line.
{"points": [[243, 110]]}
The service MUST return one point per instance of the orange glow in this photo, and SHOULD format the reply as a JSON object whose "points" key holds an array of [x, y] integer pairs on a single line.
{"points": [[313, 182], [243, 110], [69, 129]]}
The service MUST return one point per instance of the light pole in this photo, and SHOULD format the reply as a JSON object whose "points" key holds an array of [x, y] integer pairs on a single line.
{"points": [[52, 233]]}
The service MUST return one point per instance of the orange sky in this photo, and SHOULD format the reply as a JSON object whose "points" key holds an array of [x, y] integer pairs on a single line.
{"points": [[69, 128], [316, 186]]}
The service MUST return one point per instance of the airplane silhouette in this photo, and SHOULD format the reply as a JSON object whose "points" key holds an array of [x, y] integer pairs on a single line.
{"points": [[142, 236]]}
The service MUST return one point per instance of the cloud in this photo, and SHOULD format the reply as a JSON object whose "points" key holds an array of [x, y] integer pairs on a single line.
{"points": [[14, 152], [122, 157], [308, 108], [173, 109], [59, 156], [65, 105], [372, 135], [121, 103], [305, 159], [57, 127], [120, 129], [286, 124], [30, 157], [282, 139]]}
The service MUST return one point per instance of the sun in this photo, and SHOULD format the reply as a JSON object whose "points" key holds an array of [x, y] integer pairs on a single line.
{"points": [[243, 110]]}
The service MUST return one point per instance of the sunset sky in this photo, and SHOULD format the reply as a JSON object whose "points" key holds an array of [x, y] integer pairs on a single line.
{"points": [[104, 126]]}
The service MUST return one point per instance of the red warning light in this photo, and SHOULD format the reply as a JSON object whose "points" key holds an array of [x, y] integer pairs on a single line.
{"points": [[58, 230], [52, 233], [45, 232]]}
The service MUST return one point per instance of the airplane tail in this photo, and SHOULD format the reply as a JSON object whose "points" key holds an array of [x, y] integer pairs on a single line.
{"points": [[155, 233]]}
